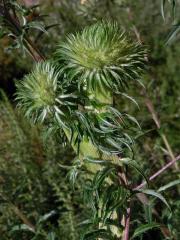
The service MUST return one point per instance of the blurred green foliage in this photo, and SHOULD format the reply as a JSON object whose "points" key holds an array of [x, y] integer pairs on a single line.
{"points": [[32, 179]]}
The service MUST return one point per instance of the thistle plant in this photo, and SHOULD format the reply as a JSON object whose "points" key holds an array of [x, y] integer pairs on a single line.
{"points": [[74, 95], [74, 92]]}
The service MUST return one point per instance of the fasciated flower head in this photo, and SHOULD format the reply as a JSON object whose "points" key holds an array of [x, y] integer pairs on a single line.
{"points": [[41, 93], [101, 57]]}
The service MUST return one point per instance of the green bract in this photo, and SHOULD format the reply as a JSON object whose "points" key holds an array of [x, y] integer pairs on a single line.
{"points": [[101, 57], [41, 94]]}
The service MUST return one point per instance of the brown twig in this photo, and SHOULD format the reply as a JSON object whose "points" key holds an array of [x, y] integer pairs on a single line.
{"points": [[23, 218], [14, 24], [18, 212], [33, 50]]}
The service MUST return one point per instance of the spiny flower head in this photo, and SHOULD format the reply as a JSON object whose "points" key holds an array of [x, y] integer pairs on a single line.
{"points": [[41, 93], [101, 57]]}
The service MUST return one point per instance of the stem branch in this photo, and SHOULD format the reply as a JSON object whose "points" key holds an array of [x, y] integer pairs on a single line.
{"points": [[158, 172]]}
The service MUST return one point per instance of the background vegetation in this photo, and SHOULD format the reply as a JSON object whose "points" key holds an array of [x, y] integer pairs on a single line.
{"points": [[34, 188]]}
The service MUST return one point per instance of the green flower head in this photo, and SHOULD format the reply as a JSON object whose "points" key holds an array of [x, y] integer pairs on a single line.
{"points": [[41, 94], [101, 57]]}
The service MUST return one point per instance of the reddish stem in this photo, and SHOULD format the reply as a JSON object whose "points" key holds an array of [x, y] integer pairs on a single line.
{"points": [[158, 172], [127, 224], [128, 212]]}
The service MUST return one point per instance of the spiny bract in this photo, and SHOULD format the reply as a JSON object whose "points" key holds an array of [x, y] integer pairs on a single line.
{"points": [[41, 93], [101, 57]]}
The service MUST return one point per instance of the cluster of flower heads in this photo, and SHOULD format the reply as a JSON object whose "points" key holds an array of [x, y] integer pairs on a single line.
{"points": [[101, 60]]}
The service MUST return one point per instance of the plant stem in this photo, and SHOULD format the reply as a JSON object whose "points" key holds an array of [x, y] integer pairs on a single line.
{"points": [[128, 211], [126, 218], [158, 172], [127, 223], [24, 219], [34, 50], [14, 25]]}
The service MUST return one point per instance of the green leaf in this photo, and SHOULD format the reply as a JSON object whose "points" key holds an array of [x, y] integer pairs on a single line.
{"points": [[148, 209], [144, 228], [155, 194], [36, 25], [46, 216], [173, 33], [101, 233], [169, 185], [51, 236], [101, 176], [163, 2], [133, 119], [134, 165], [173, 9], [130, 98], [2, 33], [95, 161], [22, 227]]}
